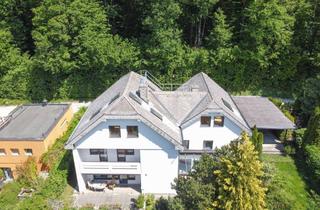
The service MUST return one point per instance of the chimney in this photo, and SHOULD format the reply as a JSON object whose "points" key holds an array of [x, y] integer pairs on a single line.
{"points": [[44, 102], [143, 89]]}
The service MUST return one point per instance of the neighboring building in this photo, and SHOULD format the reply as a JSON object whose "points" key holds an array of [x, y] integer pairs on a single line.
{"points": [[136, 133], [29, 130]]}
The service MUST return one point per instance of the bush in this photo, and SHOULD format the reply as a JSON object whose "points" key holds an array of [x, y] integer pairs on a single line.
{"points": [[286, 135], [169, 204], [8, 195], [140, 201], [298, 137], [289, 150], [27, 173], [150, 202], [312, 154]]}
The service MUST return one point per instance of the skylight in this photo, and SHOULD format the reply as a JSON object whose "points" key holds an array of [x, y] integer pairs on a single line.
{"points": [[95, 114], [227, 104], [135, 98], [156, 113], [114, 98]]}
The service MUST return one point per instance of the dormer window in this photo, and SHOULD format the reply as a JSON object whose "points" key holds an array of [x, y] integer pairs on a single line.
{"points": [[114, 131], [205, 121], [218, 121]]}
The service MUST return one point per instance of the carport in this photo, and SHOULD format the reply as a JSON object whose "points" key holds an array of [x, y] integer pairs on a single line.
{"points": [[267, 117]]}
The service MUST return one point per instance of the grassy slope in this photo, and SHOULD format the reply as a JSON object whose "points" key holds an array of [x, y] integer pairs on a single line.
{"points": [[294, 187]]}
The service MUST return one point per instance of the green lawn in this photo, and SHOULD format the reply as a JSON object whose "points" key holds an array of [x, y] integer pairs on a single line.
{"points": [[288, 185]]}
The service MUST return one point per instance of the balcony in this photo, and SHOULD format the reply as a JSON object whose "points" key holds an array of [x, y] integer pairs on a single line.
{"points": [[110, 168]]}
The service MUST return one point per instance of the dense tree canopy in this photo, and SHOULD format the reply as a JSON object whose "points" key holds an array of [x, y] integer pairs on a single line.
{"points": [[77, 48]]}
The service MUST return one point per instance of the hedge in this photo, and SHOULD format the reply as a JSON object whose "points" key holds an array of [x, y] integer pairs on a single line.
{"points": [[312, 154]]}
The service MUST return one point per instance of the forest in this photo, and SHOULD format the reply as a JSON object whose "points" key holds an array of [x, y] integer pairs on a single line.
{"points": [[75, 49]]}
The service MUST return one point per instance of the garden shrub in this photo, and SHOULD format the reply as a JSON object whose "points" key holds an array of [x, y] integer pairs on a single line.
{"points": [[150, 202], [27, 173], [169, 204], [8, 195], [289, 150], [140, 201], [312, 154], [298, 135]]}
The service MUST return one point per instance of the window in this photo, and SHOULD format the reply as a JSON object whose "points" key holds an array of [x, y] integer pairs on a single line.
{"points": [[129, 151], [28, 152], [115, 177], [132, 131], [100, 177], [218, 121], [205, 121], [121, 154], [15, 152], [96, 151], [114, 131], [185, 144], [131, 177], [2, 152], [207, 145]]}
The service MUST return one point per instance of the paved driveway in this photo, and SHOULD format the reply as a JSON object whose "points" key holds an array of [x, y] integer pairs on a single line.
{"points": [[123, 196]]}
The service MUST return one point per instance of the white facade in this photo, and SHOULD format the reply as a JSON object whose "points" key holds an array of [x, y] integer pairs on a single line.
{"points": [[153, 155], [155, 162], [196, 133]]}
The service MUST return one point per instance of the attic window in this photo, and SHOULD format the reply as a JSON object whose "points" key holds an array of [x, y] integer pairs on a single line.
{"points": [[227, 104], [114, 98], [156, 113], [135, 98]]}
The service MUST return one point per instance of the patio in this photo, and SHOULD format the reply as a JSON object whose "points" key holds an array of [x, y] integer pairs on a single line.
{"points": [[123, 196]]}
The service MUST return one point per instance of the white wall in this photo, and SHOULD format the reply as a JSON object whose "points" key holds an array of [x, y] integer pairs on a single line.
{"points": [[158, 157], [196, 133], [158, 171], [98, 137]]}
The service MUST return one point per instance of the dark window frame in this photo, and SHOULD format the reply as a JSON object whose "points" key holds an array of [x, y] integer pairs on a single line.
{"points": [[131, 177], [129, 151], [204, 144], [25, 151], [96, 151], [204, 121], [215, 124], [135, 131], [112, 133]]}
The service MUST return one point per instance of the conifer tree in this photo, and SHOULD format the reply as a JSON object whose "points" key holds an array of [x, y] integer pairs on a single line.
{"points": [[238, 178]]}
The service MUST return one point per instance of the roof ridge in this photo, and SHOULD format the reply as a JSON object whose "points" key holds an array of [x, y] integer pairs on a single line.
{"points": [[205, 82]]}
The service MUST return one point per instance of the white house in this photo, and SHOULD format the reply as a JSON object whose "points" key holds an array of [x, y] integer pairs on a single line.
{"points": [[137, 134]]}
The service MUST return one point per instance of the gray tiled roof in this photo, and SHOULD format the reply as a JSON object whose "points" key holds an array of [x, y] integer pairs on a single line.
{"points": [[198, 95], [32, 122], [123, 107], [215, 100], [262, 113]]}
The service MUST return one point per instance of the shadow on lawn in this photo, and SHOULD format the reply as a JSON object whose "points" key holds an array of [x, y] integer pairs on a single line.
{"points": [[300, 163]]}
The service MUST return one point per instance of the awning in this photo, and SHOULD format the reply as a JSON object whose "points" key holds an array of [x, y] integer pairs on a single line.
{"points": [[262, 113]]}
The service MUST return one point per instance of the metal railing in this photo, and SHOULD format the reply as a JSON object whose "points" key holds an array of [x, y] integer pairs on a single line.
{"points": [[158, 83]]}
